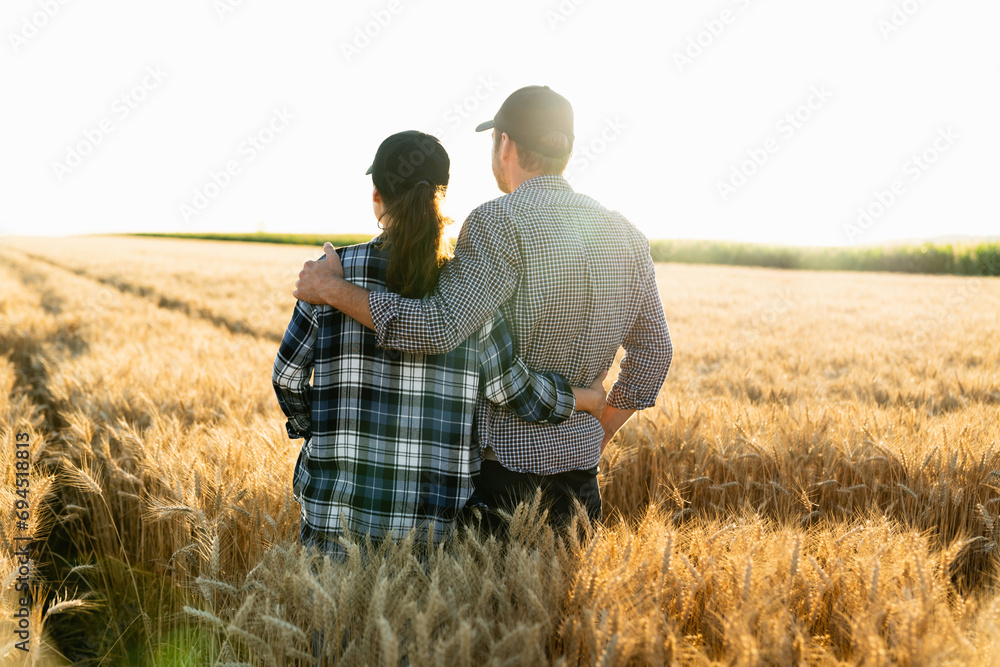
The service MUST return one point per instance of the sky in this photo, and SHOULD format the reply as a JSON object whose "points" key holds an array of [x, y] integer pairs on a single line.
{"points": [[771, 121]]}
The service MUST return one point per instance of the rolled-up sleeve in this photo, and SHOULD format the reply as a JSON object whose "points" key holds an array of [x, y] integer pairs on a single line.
{"points": [[293, 370], [648, 351], [482, 275], [384, 307]]}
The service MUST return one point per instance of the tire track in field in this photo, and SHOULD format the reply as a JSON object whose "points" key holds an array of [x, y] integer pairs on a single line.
{"points": [[33, 348], [28, 347], [164, 301]]}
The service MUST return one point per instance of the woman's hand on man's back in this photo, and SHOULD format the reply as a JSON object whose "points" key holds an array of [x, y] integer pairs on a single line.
{"points": [[594, 398]]}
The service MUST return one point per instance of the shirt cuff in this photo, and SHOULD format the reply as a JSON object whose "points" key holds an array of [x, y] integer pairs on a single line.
{"points": [[298, 427], [626, 398], [565, 400], [384, 307]]}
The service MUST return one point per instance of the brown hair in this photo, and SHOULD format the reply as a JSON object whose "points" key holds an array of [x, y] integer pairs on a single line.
{"points": [[533, 161], [415, 239]]}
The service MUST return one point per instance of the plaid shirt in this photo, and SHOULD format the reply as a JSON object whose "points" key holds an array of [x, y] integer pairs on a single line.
{"points": [[575, 281], [388, 435]]}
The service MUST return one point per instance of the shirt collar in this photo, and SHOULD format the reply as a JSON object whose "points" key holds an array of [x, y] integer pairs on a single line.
{"points": [[546, 182]]}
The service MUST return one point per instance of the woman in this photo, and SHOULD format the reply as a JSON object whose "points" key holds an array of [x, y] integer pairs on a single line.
{"points": [[388, 435]]}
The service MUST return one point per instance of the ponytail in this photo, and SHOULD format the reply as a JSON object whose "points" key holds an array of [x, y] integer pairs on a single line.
{"points": [[415, 239]]}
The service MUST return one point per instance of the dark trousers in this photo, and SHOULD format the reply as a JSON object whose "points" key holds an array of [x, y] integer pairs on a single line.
{"points": [[500, 488]]}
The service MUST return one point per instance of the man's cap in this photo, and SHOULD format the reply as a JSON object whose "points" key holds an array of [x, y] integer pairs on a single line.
{"points": [[407, 158], [531, 112]]}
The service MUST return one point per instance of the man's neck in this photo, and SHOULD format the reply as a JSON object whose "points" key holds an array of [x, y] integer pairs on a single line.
{"points": [[520, 177]]}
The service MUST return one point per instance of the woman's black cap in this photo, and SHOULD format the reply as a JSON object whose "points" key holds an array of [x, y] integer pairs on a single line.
{"points": [[531, 112], [407, 158]]}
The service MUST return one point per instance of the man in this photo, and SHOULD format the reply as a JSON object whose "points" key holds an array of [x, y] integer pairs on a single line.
{"points": [[574, 280]]}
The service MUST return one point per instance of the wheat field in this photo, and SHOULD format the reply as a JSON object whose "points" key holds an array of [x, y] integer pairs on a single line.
{"points": [[819, 482]]}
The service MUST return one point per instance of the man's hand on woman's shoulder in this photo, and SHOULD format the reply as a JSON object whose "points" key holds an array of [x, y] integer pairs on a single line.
{"points": [[316, 277]]}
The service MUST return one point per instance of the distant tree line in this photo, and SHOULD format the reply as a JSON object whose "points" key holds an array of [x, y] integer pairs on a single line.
{"points": [[965, 260], [981, 259], [265, 237]]}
